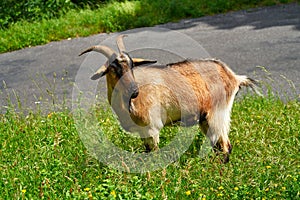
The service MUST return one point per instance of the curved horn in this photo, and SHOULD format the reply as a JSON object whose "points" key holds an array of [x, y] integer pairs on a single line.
{"points": [[120, 43], [106, 51]]}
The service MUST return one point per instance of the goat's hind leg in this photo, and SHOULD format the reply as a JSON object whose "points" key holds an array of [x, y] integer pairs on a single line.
{"points": [[217, 129]]}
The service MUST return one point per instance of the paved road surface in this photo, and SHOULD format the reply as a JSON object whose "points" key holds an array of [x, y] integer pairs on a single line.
{"points": [[268, 37]]}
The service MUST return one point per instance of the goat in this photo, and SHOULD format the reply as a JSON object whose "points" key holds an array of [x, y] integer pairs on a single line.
{"points": [[192, 91]]}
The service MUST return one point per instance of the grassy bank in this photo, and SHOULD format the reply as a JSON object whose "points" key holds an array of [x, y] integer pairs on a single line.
{"points": [[114, 16], [43, 157]]}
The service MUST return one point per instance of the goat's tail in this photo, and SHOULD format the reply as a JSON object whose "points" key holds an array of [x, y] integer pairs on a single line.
{"points": [[249, 82]]}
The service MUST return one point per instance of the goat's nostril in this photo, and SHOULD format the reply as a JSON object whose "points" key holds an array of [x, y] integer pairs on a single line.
{"points": [[135, 94], [134, 90]]}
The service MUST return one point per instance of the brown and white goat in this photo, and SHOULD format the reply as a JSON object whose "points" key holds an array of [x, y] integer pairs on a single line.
{"points": [[192, 91]]}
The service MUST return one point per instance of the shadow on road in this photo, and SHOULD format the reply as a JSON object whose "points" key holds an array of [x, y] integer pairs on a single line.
{"points": [[258, 18], [47, 73]]}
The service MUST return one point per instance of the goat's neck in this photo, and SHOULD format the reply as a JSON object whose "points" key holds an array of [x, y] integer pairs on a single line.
{"points": [[115, 97], [111, 82], [116, 100]]}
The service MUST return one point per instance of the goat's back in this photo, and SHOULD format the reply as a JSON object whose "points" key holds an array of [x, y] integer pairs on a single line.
{"points": [[205, 78]]}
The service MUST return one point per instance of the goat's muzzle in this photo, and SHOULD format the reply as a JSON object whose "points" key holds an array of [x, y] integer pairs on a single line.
{"points": [[133, 90], [133, 93]]}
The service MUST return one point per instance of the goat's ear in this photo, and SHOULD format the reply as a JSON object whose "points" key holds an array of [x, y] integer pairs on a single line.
{"points": [[99, 73], [141, 61]]}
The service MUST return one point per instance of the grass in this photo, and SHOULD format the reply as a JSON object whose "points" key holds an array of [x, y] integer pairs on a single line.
{"points": [[43, 157], [115, 16]]}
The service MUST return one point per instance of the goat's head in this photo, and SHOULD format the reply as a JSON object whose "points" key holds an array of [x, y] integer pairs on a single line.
{"points": [[119, 67]]}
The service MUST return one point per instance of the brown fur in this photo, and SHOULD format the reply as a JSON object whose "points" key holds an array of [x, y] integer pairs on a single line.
{"points": [[199, 91], [198, 84], [203, 85], [190, 91], [228, 78], [210, 81]]}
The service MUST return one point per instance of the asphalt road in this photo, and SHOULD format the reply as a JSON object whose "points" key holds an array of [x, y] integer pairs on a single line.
{"points": [[44, 76]]}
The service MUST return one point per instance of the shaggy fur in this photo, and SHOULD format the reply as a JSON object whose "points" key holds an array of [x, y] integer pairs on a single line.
{"points": [[192, 91]]}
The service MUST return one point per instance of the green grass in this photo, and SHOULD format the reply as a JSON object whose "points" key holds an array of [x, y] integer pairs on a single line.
{"points": [[115, 16], [43, 157]]}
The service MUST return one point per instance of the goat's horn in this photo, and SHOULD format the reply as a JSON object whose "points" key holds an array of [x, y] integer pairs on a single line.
{"points": [[120, 43], [106, 51]]}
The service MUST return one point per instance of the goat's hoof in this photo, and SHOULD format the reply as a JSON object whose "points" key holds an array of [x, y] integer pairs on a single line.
{"points": [[226, 158], [149, 149]]}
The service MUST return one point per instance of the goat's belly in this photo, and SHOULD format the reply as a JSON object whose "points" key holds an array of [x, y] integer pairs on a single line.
{"points": [[185, 120]]}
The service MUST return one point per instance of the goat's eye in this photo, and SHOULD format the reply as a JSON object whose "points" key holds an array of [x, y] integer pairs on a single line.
{"points": [[116, 69]]}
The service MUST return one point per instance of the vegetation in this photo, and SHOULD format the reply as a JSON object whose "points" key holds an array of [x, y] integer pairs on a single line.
{"points": [[43, 157], [28, 23], [13, 11]]}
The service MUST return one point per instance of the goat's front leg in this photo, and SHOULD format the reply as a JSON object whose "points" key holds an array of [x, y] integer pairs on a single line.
{"points": [[151, 139]]}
